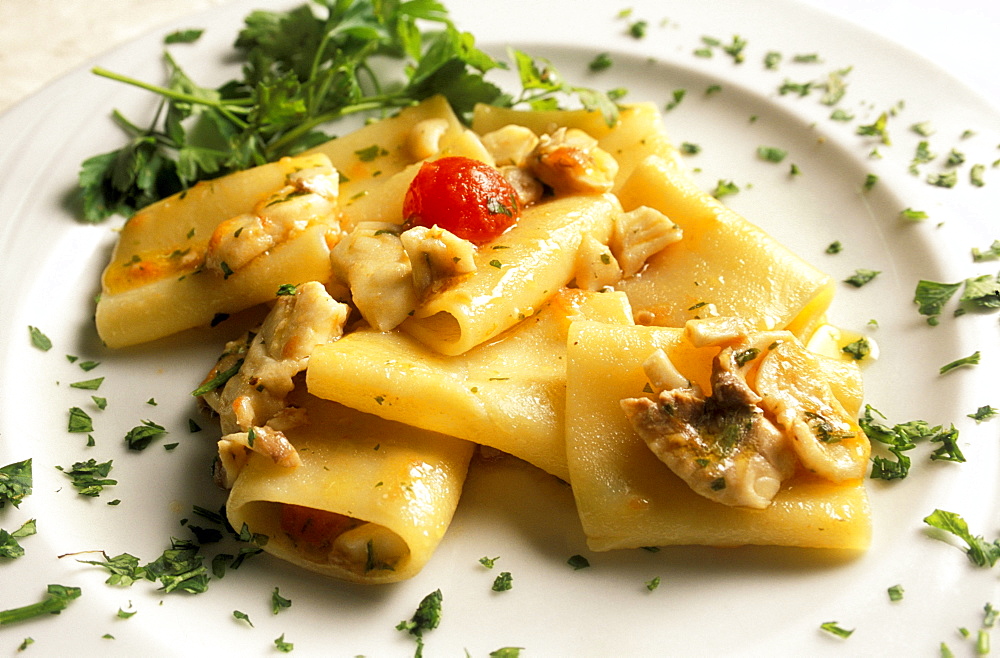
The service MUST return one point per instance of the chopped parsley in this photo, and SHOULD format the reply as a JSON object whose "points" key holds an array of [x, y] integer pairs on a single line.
{"points": [[879, 128], [89, 478], [578, 562], [980, 552], [39, 340], [281, 645], [870, 181], [834, 628], [183, 36], [57, 598], [913, 215], [725, 188], [653, 583], [990, 253], [931, 296], [771, 153], [858, 349], [834, 247], [286, 289], [601, 62], [278, 602], [242, 616], [903, 437], [88, 384], [503, 582], [488, 562], [971, 360], [79, 421], [15, 482], [9, 546], [983, 413], [426, 618], [861, 277], [946, 179], [895, 593], [138, 438]]}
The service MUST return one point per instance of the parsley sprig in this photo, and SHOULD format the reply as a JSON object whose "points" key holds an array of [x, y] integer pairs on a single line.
{"points": [[56, 599], [302, 69]]}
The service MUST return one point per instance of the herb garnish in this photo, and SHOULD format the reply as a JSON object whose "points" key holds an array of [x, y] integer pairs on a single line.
{"points": [[278, 602], [300, 71], [861, 277], [138, 438], [15, 482], [503, 582], [56, 599], [834, 628], [971, 360], [426, 618], [9, 547], [980, 552], [39, 340], [89, 478], [578, 562], [902, 438]]}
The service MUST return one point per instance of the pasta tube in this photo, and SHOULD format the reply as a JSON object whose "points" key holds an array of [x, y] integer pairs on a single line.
{"points": [[369, 503], [627, 498]]}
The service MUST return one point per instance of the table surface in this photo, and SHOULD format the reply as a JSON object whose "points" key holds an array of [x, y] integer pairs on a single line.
{"points": [[959, 35]]}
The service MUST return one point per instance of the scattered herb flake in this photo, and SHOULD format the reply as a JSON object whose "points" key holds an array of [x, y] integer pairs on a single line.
{"points": [[725, 188], [983, 413], [56, 599], [39, 340], [653, 583], [861, 277], [138, 438], [426, 618], [89, 384], [9, 546], [278, 602], [79, 421], [980, 552], [183, 36], [89, 478], [488, 562], [15, 482], [601, 62], [913, 215], [931, 296], [971, 360], [503, 582], [283, 646], [771, 153], [578, 562], [834, 628], [895, 593]]}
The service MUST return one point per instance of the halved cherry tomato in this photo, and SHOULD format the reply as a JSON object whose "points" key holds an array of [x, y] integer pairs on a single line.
{"points": [[467, 197], [313, 526]]}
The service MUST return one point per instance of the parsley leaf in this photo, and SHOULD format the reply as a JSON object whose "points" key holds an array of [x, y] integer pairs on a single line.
{"points": [[39, 340], [861, 277], [89, 478], [902, 438], [503, 582], [138, 438], [834, 628], [931, 296], [983, 413], [426, 618], [283, 646], [980, 552], [9, 547], [278, 602], [15, 482], [990, 253]]}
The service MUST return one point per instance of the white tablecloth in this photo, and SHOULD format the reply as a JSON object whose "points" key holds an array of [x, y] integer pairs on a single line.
{"points": [[41, 39]]}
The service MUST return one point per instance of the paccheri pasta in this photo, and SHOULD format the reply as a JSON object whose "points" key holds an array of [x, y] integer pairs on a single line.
{"points": [[627, 333]]}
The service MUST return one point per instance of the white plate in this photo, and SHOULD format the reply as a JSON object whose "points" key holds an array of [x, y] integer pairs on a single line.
{"points": [[711, 601]]}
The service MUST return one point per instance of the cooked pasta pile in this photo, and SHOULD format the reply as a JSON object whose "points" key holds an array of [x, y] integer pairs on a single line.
{"points": [[541, 283]]}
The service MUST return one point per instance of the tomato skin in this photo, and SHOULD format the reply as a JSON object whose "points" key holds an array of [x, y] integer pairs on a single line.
{"points": [[464, 196], [313, 526]]}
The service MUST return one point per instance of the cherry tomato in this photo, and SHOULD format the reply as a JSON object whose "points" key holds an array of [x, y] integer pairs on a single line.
{"points": [[313, 526], [467, 197]]}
